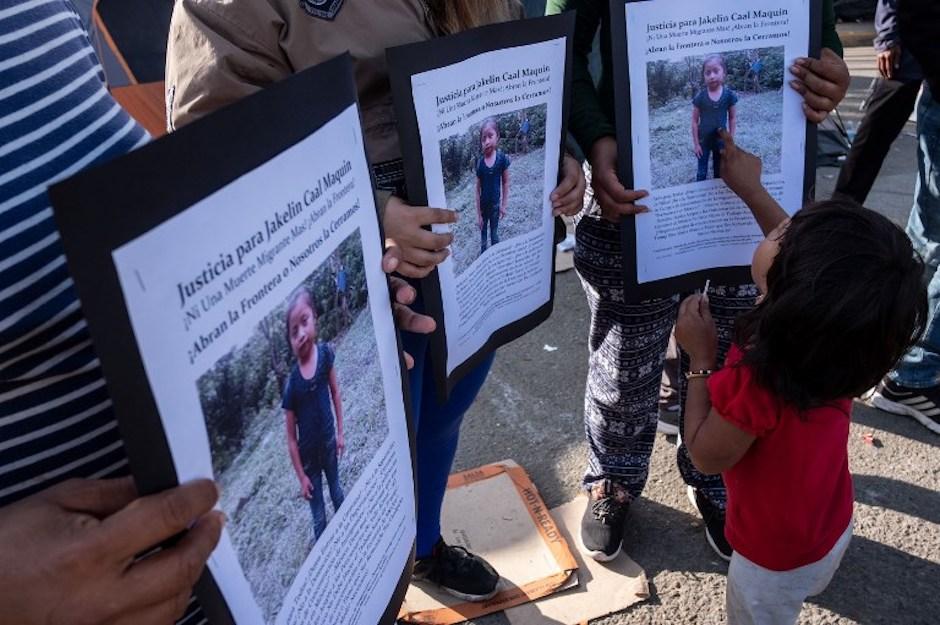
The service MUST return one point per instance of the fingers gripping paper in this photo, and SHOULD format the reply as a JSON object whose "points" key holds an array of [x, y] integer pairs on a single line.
{"points": [[496, 512]]}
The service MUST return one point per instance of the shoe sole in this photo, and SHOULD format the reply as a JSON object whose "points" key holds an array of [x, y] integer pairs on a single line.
{"points": [[600, 556], [470, 598], [690, 493], [456, 593], [880, 401], [667, 428]]}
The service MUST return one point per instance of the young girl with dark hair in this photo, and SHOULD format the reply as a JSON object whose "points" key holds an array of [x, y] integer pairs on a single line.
{"points": [[713, 108], [492, 191], [628, 338], [841, 301], [313, 409]]}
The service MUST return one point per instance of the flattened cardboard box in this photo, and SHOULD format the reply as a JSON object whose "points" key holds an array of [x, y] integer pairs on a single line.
{"points": [[496, 511]]}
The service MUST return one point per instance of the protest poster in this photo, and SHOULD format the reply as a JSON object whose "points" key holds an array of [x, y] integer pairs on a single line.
{"points": [[681, 71], [482, 118], [231, 277]]}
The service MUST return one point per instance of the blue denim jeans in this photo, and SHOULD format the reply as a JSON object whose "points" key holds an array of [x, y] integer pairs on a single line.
{"points": [[490, 223], [710, 148], [920, 367], [437, 430], [317, 461]]}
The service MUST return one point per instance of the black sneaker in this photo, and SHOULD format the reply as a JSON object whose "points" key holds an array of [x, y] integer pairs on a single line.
{"points": [[714, 518], [921, 403], [458, 572], [602, 523]]}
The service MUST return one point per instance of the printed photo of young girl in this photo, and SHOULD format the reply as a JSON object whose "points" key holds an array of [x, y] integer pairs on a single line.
{"points": [[739, 91], [294, 415], [493, 178]]}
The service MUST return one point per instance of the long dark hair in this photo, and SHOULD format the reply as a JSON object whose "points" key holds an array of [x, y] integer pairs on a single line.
{"points": [[845, 299]]}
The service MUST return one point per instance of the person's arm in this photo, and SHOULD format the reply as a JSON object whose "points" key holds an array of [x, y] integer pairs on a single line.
{"points": [[338, 410], [697, 148], [586, 121], [291, 421], [741, 172], [830, 36], [218, 54], [714, 444], [504, 196], [732, 119], [886, 25], [70, 552], [479, 208]]}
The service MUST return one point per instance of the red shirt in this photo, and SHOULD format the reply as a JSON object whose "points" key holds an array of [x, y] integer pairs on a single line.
{"points": [[790, 496]]}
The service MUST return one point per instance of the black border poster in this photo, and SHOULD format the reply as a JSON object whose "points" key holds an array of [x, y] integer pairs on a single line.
{"points": [[697, 229], [231, 277], [505, 84]]}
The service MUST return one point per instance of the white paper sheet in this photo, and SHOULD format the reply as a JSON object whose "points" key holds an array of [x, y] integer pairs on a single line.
{"points": [[237, 257], [483, 291], [694, 225]]}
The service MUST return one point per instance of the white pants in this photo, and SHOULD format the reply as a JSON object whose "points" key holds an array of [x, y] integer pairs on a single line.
{"points": [[759, 596]]}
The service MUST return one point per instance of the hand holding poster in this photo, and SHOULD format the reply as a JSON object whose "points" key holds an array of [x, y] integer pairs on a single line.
{"points": [[482, 125], [231, 276], [682, 72]]}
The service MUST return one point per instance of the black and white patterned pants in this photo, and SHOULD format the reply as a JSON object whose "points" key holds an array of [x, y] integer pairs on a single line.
{"points": [[627, 345]]}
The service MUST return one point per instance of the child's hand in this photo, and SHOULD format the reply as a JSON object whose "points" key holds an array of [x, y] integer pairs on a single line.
{"points": [[421, 250], [306, 487], [340, 445], [502, 211], [568, 196], [698, 151], [695, 332], [615, 200], [739, 169]]}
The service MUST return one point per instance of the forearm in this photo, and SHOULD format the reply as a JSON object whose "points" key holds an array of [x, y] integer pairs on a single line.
{"points": [[338, 409], [767, 212], [830, 38], [587, 120], [295, 459], [697, 406], [232, 63]]}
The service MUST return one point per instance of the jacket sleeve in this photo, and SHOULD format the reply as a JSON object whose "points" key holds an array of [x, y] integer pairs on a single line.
{"points": [[587, 121], [830, 38], [219, 53], [886, 25]]}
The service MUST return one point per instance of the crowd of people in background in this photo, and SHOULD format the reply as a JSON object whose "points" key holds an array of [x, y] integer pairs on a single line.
{"points": [[754, 404]]}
